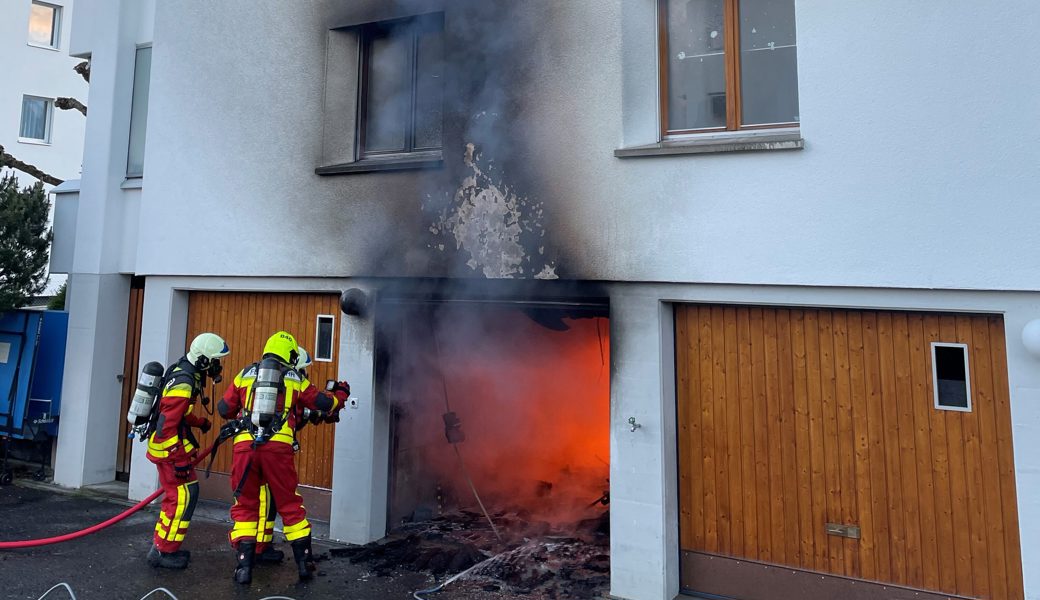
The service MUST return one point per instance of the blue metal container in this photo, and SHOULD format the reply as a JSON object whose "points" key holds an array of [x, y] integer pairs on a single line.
{"points": [[32, 361]]}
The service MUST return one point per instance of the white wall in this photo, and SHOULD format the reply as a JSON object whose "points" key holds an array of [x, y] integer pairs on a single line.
{"points": [[916, 172], [105, 234]]}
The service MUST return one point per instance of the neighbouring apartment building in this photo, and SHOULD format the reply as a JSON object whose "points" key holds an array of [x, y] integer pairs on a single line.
{"points": [[34, 37], [761, 273]]}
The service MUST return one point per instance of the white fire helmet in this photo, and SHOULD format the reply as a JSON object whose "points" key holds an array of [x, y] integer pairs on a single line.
{"points": [[304, 359], [208, 345]]}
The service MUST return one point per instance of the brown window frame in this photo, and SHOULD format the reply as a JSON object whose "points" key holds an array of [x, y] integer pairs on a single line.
{"points": [[414, 26], [731, 54]]}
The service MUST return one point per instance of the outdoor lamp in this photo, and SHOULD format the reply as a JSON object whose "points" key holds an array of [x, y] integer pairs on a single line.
{"points": [[1031, 337]]}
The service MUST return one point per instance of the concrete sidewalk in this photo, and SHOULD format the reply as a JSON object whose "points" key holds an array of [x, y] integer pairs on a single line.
{"points": [[110, 564]]}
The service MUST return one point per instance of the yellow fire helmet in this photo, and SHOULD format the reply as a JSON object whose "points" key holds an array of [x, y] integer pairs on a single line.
{"points": [[283, 345]]}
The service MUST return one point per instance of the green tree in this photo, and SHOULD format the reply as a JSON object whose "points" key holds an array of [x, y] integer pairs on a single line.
{"points": [[58, 301], [24, 242]]}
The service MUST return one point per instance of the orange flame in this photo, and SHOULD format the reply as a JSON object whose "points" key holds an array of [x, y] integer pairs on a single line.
{"points": [[534, 407]]}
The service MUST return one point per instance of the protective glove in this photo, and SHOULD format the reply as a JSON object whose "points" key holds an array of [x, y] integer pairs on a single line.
{"points": [[315, 417], [341, 386], [205, 425]]}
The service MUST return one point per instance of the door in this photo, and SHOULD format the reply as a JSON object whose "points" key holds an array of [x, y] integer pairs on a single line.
{"points": [[811, 439], [245, 321], [131, 358]]}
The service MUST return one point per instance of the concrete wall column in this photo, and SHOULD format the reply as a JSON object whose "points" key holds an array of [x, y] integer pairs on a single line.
{"points": [[644, 545], [361, 467], [88, 426], [98, 293], [164, 326]]}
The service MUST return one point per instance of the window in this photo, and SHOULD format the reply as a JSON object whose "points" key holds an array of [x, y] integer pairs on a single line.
{"points": [[36, 119], [139, 112], [950, 376], [401, 87], [727, 65], [324, 337], [44, 25]]}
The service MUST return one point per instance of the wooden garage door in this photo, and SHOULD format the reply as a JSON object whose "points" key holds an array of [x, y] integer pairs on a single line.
{"points": [[246, 320], [792, 419]]}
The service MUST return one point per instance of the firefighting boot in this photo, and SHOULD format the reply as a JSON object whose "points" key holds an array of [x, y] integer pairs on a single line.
{"points": [[167, 560], [246, 552], [301, 549], [270, 555]]}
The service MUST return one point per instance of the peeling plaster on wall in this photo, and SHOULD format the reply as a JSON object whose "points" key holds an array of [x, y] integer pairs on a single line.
{"points": [[489, 222]]}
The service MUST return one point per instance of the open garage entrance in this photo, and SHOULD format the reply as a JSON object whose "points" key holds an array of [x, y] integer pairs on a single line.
{"points": [[848, 447], [501, 405]]}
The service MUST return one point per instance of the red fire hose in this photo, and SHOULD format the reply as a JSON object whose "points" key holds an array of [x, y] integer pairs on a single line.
{"points": [[95, 528]]}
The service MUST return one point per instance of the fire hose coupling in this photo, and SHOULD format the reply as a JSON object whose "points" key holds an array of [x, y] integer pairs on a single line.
{"points": [[632, 422]]}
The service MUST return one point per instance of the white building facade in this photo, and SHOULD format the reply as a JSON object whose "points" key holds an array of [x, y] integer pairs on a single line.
{"points": [[787, 262], [35, 39]]}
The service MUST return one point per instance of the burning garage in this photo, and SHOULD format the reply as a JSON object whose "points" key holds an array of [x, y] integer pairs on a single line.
{"points": [[499, 440], [605, 305]]}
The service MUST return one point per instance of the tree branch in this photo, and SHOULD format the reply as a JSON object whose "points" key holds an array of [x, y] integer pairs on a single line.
{"points": [[70, 104], [6, 160], [83, 69]]}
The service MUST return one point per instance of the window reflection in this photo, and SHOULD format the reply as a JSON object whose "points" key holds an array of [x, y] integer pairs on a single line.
{"points": [[768, 62], [696, 65], [43, 19]]}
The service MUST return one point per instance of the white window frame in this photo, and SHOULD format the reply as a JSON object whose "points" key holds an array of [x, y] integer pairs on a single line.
{"points": [[55, 27], [332, 341], [46, 141], [935, 376]]}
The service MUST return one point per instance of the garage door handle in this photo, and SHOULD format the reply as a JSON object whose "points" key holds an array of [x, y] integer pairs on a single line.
{"points": [[848, 531]]}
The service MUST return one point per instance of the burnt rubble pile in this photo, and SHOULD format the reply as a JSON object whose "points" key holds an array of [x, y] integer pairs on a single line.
{"points": [[556, 568], [551, 561]]}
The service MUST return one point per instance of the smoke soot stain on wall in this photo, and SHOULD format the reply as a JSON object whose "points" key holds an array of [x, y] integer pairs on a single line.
{"points": [[497, 230]]}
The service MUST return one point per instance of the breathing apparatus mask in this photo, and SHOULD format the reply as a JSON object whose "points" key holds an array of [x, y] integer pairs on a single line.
{"points": [[210, 367]]}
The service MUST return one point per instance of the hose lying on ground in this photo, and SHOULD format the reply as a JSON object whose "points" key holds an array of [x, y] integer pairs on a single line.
{"points": [[72, 596], [419, 594], [94, 528]]}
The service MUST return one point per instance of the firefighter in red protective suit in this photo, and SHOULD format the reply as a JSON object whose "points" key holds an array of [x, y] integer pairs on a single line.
{"points": [[173, 448], [264, 399]]}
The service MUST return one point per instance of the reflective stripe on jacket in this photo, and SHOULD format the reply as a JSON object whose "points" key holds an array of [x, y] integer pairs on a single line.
{"points": [[172, 440]]}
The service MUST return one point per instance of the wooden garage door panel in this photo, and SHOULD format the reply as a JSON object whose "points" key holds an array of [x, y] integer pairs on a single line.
{"points": [[793, 418], [246, 320], [131, 360]]}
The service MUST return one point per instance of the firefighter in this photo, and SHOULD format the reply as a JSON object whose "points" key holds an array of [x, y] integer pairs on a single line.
{"points": [[173, 448], [263, 399], [265, 550]]}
